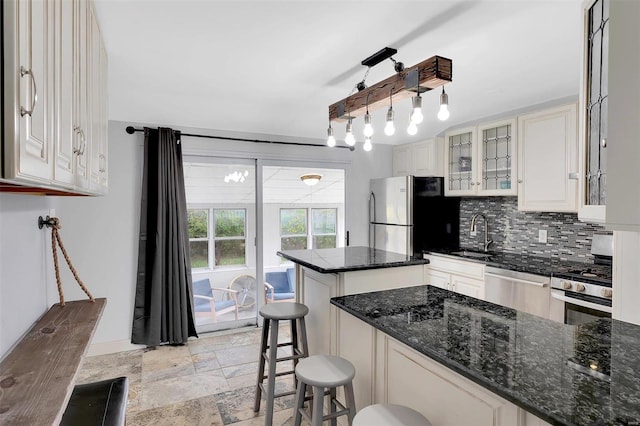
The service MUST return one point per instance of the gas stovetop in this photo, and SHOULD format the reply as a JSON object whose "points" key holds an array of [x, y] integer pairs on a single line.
{"points": [[593, 274]]}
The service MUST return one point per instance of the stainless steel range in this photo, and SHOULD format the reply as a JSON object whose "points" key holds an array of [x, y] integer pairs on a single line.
{"points": [[578, 295]]}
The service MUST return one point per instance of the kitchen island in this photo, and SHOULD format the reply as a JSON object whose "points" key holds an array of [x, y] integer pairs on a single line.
{"points": [[325, 273], [459, 360]]}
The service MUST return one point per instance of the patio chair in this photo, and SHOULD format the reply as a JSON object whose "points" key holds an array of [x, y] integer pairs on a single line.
{"points": [[206, 306], [280, 286]]}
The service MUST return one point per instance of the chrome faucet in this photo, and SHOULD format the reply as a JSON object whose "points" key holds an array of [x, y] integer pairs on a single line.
{"points": [[474, 220]]}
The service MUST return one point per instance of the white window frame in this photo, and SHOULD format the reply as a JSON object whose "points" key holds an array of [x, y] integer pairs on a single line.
{"points": [[212, 238], [309, 221]]}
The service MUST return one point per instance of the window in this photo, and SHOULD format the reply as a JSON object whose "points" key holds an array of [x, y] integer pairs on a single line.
{"points": [[293, 229], [230, 237], [225, 239], [198, 224], [323, 228], [296, 232]]}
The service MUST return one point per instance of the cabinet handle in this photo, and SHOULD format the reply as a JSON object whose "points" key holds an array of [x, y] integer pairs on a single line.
{"points": [[473, 183], [478, 183], [603, 142], [519, 180], [574, 176], [76, 150], [34, 97], [102, 163], [83, 142]]}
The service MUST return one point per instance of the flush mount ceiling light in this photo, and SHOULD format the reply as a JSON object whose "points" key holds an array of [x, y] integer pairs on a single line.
{"points": [[311, 178], [422, 77]]}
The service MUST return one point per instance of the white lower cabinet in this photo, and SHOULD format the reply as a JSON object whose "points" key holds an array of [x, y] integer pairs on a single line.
{"points": [[444, 397], [314, 289], [389, 372], [455, 275]]}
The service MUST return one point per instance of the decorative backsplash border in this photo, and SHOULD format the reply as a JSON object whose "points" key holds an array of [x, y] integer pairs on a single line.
{"points": [[517, 232]]}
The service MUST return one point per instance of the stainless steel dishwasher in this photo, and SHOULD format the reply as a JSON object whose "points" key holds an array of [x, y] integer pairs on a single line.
{"points": [[518, 290]]}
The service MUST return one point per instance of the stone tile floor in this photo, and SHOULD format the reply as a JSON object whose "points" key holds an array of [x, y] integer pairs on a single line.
{"points": [[208, 381]]}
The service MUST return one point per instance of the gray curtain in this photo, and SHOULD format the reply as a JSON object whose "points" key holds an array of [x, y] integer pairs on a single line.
{"points": [[163, 311]]}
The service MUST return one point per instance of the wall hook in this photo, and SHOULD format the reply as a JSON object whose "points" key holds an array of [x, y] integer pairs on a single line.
{"points": [[48, 222]]}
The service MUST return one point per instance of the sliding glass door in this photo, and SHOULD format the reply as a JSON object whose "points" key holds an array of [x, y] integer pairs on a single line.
{"points": [[221, 204], [241, 212], [298, 213]]}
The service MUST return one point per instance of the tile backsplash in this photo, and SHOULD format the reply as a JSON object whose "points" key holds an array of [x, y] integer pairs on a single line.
{"points": [[517, 232]]}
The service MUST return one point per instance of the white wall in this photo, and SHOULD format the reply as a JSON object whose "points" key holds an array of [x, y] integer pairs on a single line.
{"points": [[101, 233], [25, 260]]}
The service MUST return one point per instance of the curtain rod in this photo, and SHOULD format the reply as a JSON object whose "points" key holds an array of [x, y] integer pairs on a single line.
{"points": [[131, 130]]}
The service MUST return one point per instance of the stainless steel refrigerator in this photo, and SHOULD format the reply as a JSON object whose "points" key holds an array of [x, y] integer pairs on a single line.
{"points": [[409, 215]]}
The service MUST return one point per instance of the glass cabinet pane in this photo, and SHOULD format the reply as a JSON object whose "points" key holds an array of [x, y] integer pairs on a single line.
{"points": [[496, 157], [460, 161], [596, 101]]}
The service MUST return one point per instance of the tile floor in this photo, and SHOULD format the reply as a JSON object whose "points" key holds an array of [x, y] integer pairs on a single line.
{"points": [[208, 381]]}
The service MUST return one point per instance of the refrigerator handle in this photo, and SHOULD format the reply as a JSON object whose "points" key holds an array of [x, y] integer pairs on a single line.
{"points": [[372, 198], [371, 227]]}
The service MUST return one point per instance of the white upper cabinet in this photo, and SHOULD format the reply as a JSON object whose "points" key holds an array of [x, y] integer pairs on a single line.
{"points": [[481, 160], [419, 159], [594, 105], [29, 83], [623, 146], [548, 160], [50, 48]]}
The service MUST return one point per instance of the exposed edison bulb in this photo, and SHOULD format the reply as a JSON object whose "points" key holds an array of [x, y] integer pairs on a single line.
{"points": [[443, 114], [349, 139], [367, 144], [416, 113], [413, 128], [389, 128], [331, 140], [368, 128]]}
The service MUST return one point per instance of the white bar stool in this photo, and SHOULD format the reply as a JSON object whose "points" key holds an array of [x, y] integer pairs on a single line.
{"points": [[272, 314], [324, 372], [389, 415]]}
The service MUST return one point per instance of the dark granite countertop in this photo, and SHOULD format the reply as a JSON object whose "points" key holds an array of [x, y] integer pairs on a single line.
{"points": [[523, 263], [347, 259], [543, 366]]}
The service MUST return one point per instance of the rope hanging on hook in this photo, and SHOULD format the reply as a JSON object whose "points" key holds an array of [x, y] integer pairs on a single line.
{"points": [[55, 238]]}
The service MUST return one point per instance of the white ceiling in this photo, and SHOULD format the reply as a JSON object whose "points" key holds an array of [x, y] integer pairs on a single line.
{"points": [[205, 184], [272, 68]]}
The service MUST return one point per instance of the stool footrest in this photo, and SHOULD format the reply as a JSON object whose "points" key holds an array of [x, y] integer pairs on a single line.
{"points": [[277, 395], [297, 355], [282, 373]]}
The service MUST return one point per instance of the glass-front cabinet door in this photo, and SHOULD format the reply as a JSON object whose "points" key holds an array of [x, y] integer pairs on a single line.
{"points": [[594, 106], [497, 159], [481, 160], [460, 162]]}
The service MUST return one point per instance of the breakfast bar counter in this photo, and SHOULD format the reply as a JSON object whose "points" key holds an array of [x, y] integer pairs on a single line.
{"points": [[458, 359], [325, 273]]}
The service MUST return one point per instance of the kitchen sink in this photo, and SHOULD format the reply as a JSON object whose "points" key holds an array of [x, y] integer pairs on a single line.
{"points": [[468, 253]]}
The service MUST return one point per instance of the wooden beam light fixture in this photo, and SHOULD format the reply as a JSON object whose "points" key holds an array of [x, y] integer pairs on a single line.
{"points": [[407, 82]]}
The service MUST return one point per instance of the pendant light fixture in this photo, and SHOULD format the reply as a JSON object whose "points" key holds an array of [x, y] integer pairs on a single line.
{"points": [[443, 114], [349, 139], [416, 112], [331, 140], [425, 76], [368, 128], [367, 144], [389, 128]]}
